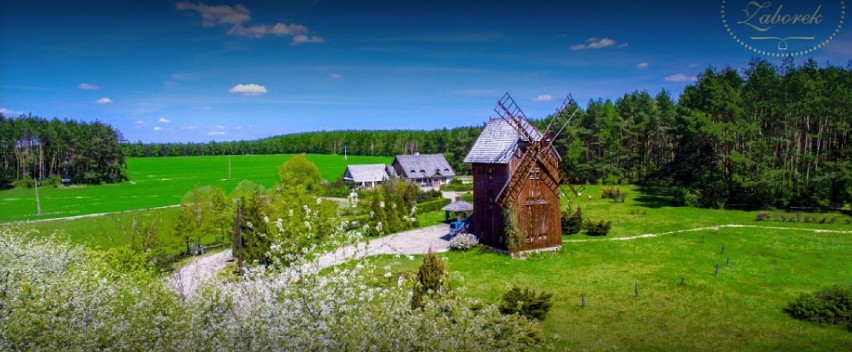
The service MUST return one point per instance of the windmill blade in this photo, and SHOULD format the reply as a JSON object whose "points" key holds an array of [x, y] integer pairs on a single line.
{"points": [[510, 112], [568, 102]]}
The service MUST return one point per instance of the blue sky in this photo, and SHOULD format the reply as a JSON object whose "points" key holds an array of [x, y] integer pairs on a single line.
{"points": [[170, 71]]}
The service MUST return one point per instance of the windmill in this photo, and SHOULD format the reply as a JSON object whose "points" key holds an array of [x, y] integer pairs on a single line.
{"points": [[517, 173]]}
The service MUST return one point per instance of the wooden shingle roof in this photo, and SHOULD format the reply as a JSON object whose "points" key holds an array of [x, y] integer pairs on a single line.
{"points": [[498, 141]]}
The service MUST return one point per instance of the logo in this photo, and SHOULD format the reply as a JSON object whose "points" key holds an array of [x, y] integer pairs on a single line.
{"points": [[783, 28]]}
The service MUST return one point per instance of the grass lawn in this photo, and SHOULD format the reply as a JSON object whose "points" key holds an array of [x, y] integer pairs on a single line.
{"points": [[156, 182], [740, 309]]}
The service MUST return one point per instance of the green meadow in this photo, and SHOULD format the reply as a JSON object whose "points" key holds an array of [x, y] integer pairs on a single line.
{"points": [[761, 269], [158, 182]]}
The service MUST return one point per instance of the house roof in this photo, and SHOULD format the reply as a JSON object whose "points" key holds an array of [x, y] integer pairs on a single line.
{"points": [[423, 165], [498, 141], [366, 173], [458, 206]]}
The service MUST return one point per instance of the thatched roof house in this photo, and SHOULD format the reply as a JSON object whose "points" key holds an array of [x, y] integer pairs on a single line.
{"points": [[427, 170]]}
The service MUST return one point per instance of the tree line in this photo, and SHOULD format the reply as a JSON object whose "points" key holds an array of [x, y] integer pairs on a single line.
{"points": [[764, 136], [36, 148]]}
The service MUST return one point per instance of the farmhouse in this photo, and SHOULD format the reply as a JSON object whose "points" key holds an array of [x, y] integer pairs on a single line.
{"points": [[367, 176], [515, 172], [426, 170]]}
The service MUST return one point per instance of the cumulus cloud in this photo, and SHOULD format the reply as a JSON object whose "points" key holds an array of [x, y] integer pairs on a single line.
{"points": [[680, 77], [237, 16], [88, 86], [642, 65], [597, 43], [216, 133], [248, 89], [544, 97], [164, 120], [103, 100], [8, 112], [157, 128]]}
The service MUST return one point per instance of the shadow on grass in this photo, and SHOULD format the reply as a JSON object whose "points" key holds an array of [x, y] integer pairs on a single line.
{"points": [[655, 197]]}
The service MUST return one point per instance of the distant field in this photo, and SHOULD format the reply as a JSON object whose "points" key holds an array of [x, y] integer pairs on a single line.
{"points": [[156, 182]]}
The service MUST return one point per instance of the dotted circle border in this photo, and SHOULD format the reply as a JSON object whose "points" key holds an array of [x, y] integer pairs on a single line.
{"points": [[798, 53]]}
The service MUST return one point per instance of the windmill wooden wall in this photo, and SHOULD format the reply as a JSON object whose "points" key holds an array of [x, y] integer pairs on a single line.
{"points": [[536, 206]]}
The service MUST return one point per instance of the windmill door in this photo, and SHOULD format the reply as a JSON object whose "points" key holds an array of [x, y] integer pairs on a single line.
{"points": [[535, 226]]}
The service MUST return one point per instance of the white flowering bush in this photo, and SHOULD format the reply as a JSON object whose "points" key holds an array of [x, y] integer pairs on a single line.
{"points": [[463, 242], [55, 296]]}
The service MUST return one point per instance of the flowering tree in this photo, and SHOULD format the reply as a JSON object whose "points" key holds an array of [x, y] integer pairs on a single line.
{"points": [[54, 296]]}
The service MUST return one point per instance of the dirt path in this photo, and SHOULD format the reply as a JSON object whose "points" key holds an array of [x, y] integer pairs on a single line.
{"points": [[714, 228], [417, 241], [75, 217], [188, 278]]}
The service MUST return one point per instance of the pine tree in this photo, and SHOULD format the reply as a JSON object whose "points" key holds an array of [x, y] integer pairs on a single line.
{"points": [[432, 280]]}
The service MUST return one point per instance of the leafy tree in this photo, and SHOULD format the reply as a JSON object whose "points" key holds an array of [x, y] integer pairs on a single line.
{"points": [[299, 172]]}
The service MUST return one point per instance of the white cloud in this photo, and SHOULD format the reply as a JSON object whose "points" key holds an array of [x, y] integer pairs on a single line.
{"points": [[103, 100], [680, 77], [335, 76], [10, 113], [139, 123], [157, 128], [88, 86], [220, 127], [642, 65], [216, 15], [597, 43], [164, 120], [216, 133], [236, 16], [248, 89], [189, 128], [544, 97]]}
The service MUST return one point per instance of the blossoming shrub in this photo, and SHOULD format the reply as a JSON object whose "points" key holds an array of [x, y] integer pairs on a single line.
{"points": [[463, 242], [54, 296]]}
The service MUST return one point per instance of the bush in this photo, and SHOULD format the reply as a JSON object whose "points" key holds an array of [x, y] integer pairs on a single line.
{"points": [[613, 193], [432, 280], [463, 242], [832, 305], [432, 205], [763, 216], [456, 184], [572, 222], [688, 197], [526, 302], [597, 228]]}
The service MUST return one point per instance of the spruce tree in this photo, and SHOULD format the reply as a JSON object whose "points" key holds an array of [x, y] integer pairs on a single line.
{"points": [[432, 280]]}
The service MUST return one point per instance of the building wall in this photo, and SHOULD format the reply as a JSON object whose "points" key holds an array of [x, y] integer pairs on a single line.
{"points": [[537, 207], [488, 225]]}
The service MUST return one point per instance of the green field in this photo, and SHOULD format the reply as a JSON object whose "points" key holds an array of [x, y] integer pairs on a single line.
{"points": [[156, 182], [740, 309]]}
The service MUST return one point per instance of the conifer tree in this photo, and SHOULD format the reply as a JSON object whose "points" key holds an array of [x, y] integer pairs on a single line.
{"points": [[432, 280]]}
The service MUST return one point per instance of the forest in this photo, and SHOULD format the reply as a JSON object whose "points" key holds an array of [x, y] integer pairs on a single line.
{"points": [[764, 136], [37, 148]]}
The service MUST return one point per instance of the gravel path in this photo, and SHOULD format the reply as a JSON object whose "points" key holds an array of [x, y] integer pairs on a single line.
{"points": [[417, 241], [189, 277]]}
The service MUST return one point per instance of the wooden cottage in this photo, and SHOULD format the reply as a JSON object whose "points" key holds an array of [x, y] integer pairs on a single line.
{"points": [[515, 171], [426, 170]]}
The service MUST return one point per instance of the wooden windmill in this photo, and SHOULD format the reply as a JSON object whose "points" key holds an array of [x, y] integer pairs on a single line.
{"points": [[517, 173]]}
